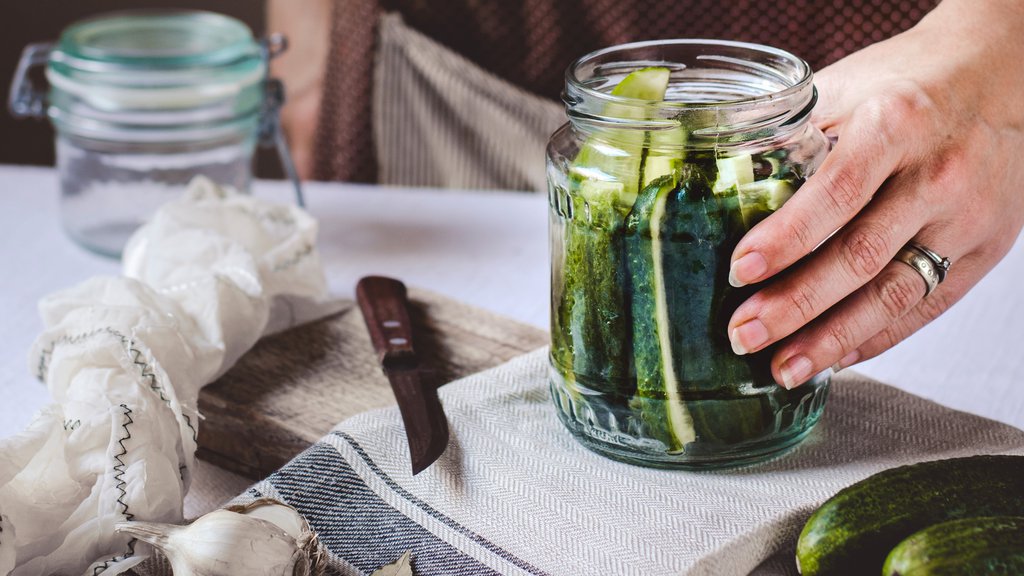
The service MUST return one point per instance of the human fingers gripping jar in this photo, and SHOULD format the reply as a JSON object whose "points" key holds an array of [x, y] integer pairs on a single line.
{"points": [[673, 151], [141, 102]]}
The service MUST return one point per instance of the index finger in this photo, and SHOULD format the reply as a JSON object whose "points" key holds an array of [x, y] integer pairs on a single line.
{"points": [[868, 151]]}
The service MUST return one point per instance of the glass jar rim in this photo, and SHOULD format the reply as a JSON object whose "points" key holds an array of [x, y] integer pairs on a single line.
{"points": [[154, 39], [155, 61], [720, 90], [801, 76], [155, 58]]}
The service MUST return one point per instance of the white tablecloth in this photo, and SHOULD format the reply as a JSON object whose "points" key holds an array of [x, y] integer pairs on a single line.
{"points": [[488, 249]]}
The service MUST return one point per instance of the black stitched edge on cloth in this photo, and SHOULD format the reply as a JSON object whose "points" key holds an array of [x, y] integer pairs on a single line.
{"points": [[119, 470], [120, 484], [145, 370]]}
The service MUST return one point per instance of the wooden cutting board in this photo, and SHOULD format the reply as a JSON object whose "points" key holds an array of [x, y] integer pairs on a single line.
{"points": [[293, 387]]}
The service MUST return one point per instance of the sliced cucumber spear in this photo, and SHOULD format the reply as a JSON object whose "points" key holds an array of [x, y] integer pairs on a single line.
{"points": [[644, 84], [616, 155], [657, 166], [734, 171], [664, 148], [592, 319], [757, 199], [658, 400]]}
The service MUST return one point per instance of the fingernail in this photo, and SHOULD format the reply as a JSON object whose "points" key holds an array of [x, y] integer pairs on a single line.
{"points": [[748, 336], [747, 269], [848, 360], [795, 371]]}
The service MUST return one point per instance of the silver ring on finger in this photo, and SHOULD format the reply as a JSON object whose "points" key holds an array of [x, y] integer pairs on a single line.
{"points": [[941, 264], [930, 266]]}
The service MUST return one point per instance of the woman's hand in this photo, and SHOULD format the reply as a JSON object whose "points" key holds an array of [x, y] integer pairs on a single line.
{"points": [[930, 128]]}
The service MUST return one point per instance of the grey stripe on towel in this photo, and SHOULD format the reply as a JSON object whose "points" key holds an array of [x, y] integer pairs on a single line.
{"points": [[356, 525]]}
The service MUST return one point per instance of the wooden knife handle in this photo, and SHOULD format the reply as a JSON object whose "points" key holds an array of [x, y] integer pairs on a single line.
{"points": [[385, 307]]}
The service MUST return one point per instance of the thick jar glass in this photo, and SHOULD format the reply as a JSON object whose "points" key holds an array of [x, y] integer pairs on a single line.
{"points": [[142, 102], [648, 199]]}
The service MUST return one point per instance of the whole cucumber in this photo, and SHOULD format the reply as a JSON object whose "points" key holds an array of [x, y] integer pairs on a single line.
{"points": [[853, 531], [983, 546]]}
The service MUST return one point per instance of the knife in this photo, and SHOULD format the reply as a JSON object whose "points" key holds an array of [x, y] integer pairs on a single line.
{"points": [[385, 308]]}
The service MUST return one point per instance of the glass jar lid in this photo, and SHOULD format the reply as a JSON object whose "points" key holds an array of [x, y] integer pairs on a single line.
{"points": [[156, 59]]}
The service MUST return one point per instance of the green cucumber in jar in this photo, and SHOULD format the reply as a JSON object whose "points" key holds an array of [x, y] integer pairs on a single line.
{"points": [[593, 339], [598, 322], [733, 171], [757, 197], [658, 404], [988, 545], [678, 240], [617, 154]]}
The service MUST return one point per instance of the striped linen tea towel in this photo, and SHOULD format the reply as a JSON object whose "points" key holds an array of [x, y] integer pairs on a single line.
{"points": [[515, 494]]}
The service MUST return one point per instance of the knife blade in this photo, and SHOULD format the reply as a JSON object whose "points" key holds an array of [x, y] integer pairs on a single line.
{"points": [[385, 306]]}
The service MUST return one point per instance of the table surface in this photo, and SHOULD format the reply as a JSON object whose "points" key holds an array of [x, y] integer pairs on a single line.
{"points": [[485, 248]]}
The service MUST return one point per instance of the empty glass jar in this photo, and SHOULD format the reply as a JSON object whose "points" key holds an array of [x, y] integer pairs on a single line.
{"points": [[141, 103]]}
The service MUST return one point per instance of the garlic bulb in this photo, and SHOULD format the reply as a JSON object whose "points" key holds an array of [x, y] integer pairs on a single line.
{"points": [[233, 543]]}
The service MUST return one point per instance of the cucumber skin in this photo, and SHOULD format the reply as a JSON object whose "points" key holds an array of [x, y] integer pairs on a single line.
{"points": [[650, 404], [852, 532], [987, 545], [698, 238], [590, 325]]}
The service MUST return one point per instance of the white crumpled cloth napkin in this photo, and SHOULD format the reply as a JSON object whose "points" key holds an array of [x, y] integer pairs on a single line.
{"points": [[124, 359]]}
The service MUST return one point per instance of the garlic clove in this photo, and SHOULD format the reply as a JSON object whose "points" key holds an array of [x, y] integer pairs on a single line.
{"points": [[224, 543], [288, 519], [282, 515]]}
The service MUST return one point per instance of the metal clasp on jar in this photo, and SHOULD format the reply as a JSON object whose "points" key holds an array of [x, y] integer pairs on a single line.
{"points": [[24, 101], [271, 133]]}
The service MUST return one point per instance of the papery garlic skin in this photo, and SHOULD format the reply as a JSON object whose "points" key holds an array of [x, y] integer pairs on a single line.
{"points": [[278, 513], [294, 524], [224, 543], [124, 359]]}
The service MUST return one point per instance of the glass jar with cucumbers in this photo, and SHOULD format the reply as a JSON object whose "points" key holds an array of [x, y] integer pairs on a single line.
{"points": [[673, 151]]}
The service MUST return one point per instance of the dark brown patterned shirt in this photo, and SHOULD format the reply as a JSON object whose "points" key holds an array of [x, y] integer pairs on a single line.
{"points": [[531, 42]]}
